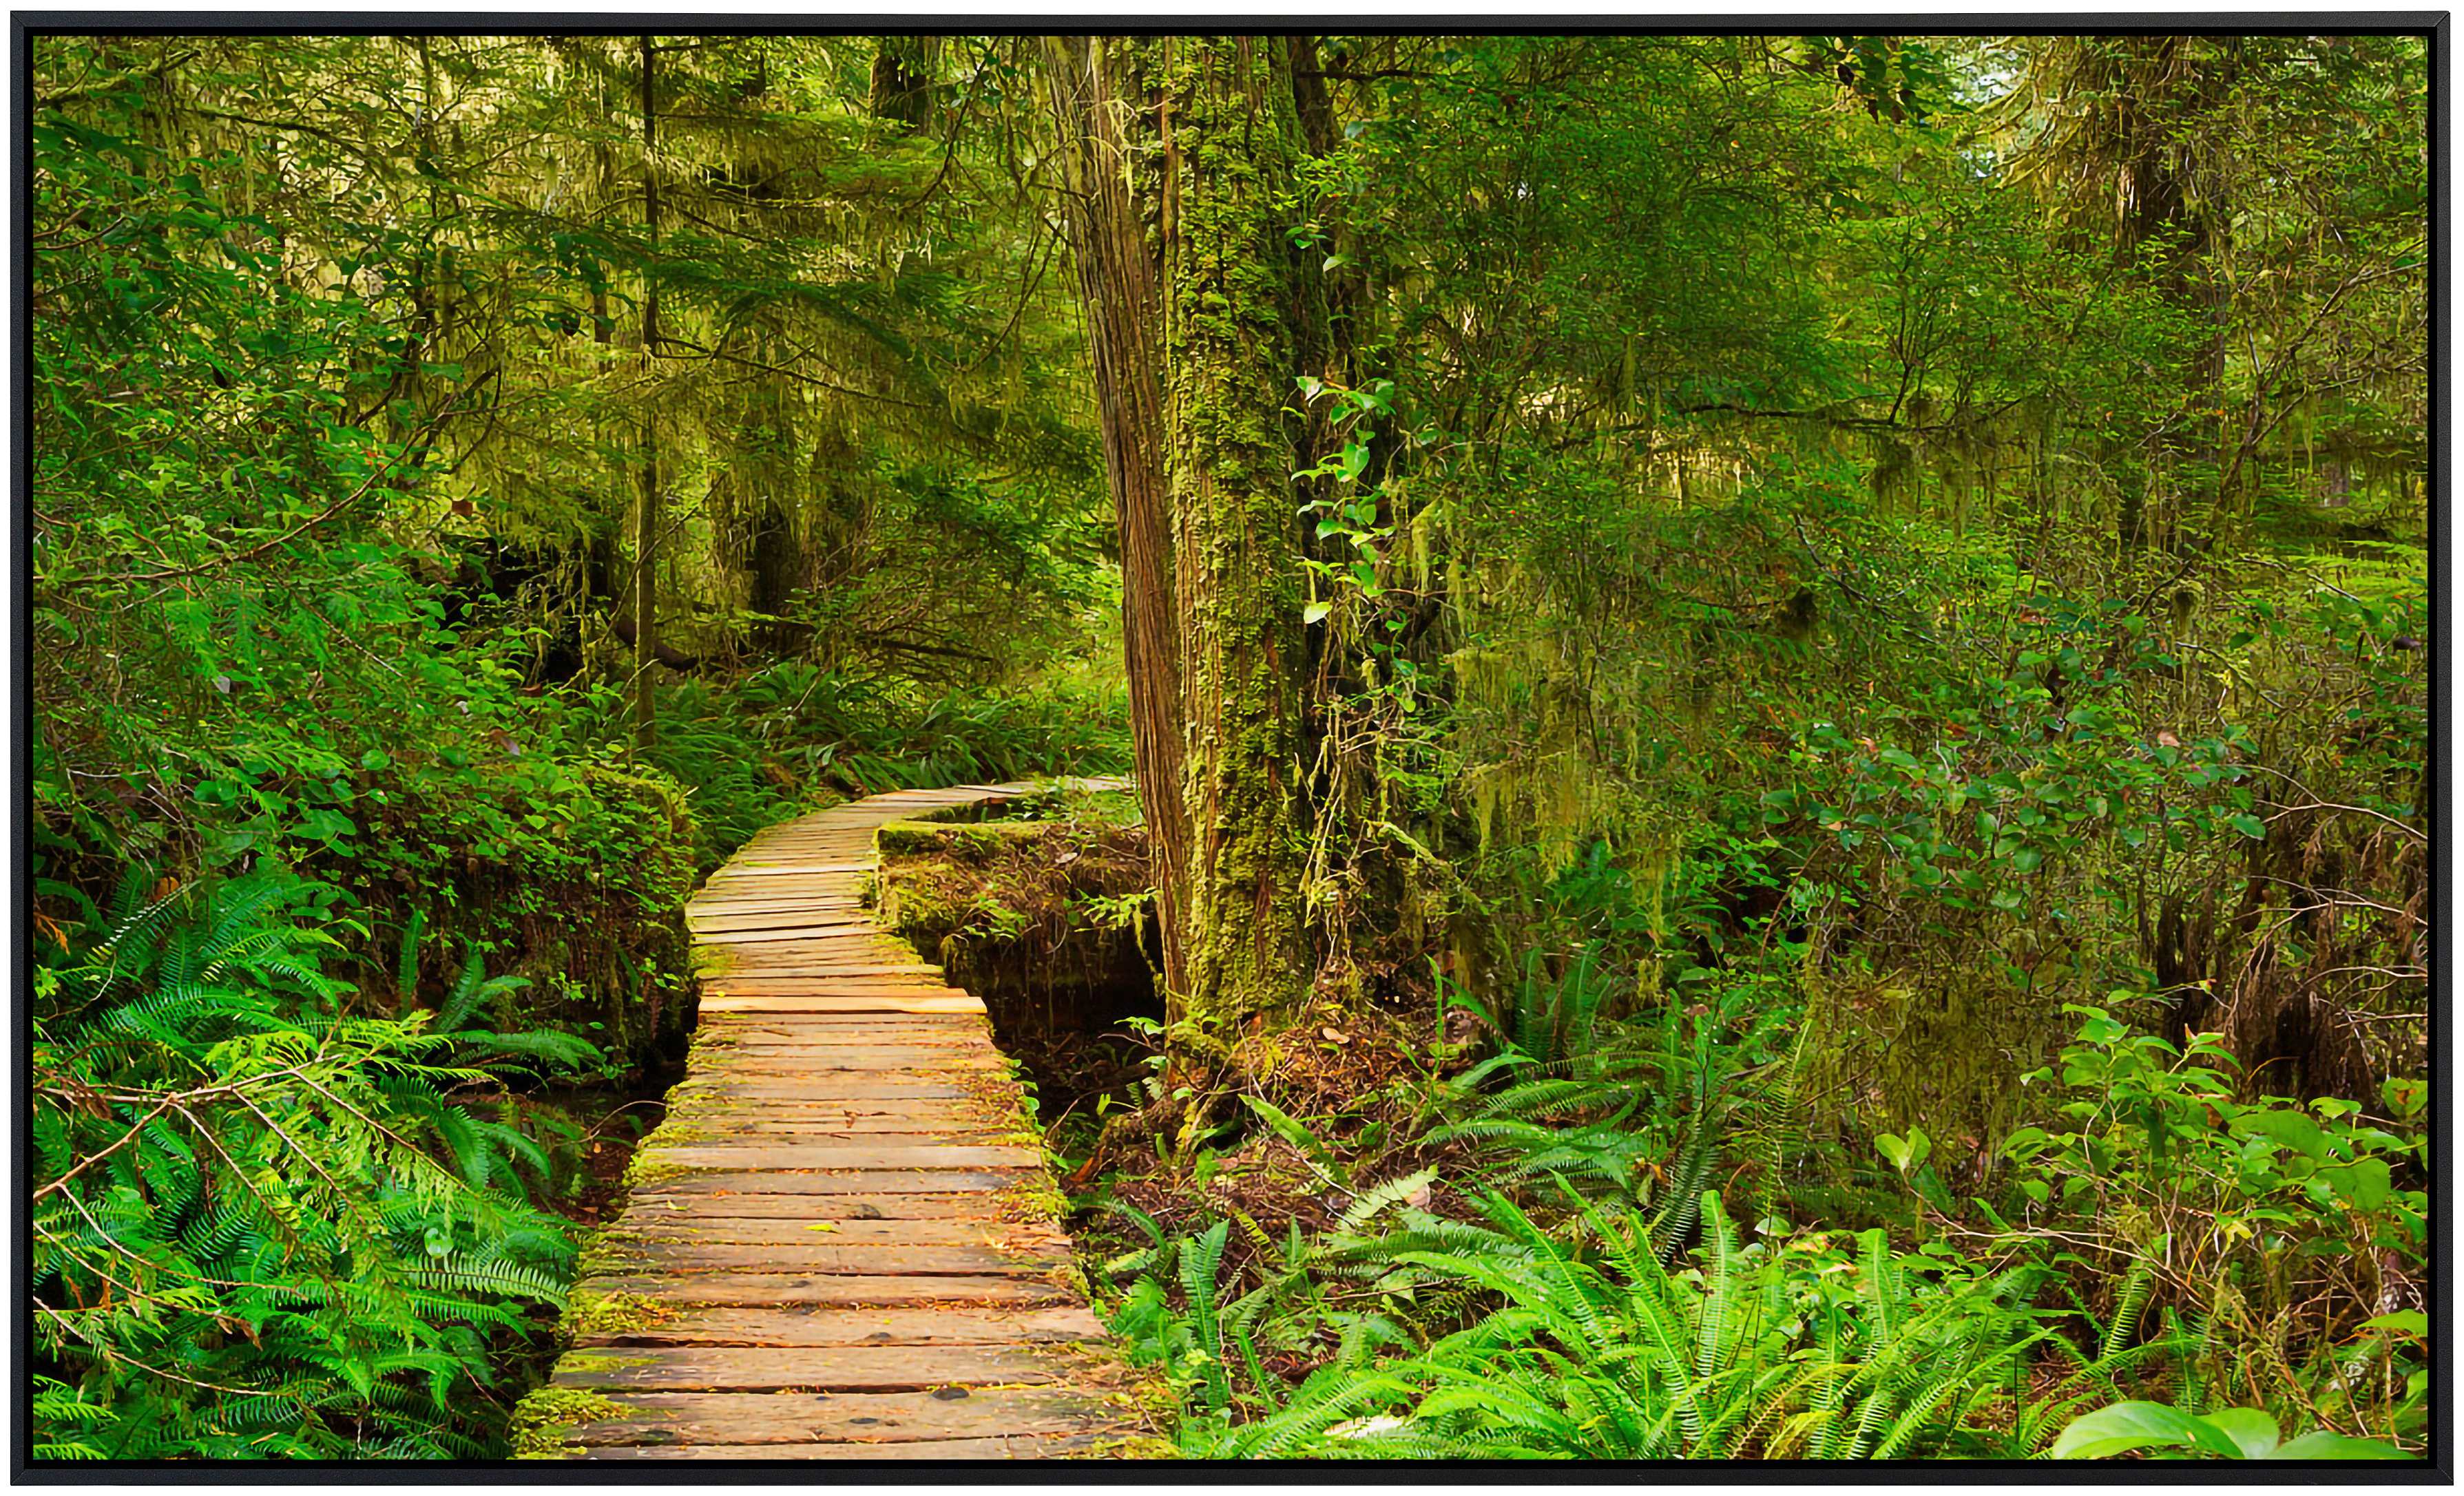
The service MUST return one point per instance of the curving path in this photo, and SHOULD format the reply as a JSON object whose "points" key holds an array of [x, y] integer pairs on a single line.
{"points": [[842, 1241]]}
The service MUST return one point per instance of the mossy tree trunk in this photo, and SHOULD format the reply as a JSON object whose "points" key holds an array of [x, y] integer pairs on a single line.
{"points": [[1230, 144], [1186, 157]]}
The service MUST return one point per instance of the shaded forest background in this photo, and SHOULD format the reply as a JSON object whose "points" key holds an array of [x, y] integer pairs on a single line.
{"points": [[1830, 607]]}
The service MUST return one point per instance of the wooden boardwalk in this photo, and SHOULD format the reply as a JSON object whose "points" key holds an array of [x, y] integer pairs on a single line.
{"points": [[842, 1242]]}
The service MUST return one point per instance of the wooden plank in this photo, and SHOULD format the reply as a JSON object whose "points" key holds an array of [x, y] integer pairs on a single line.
{"points": [[660, 1201], [859, 1155], [710, 1229], [925, 1044], [930, 1114], [927, 1103], [799, 935], [697, 1324], [725, 1418], [770, 1291], [1013, 1446], [904, 1130], [939, 1027], [819, 1255], [850, 1098], [886, 1034], [757, 985], [908, 1030], [885, 1087], [818, 959], [854, 1181], [723, 1060], [806, 967], [774, 1046], [886, 1002], [876, 1368], [823, 1072], [726, 919]]}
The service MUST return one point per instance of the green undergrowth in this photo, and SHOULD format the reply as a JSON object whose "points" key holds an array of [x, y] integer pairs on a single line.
{"points": [[1545, 1275]]}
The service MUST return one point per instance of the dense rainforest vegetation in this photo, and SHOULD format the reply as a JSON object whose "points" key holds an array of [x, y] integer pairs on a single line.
{"points": [[1778, 685]]}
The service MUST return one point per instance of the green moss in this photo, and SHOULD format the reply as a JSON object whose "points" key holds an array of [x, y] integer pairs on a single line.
{"points": [[591, 1317], [650, 1169], [590, 1363], [605, 1257], [1034, 1197], [540, 1420]]}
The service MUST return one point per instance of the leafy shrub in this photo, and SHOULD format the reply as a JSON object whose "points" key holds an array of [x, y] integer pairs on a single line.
{"points": [[2250, 1212]]}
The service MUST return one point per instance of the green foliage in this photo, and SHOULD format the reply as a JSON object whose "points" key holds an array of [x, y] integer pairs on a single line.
{"points": [[1791, 1346], [2230, 1434], [2254, 1206], [261, 1228]]}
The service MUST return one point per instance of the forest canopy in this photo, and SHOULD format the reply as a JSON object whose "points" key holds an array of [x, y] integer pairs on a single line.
{"points": [[1779, 687]]}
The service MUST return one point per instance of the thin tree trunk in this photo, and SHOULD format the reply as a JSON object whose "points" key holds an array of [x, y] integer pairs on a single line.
{"points": [[1097, 89], [646, 539]]}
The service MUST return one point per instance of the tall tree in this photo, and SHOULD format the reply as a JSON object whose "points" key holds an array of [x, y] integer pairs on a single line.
{"points": [[1230, 138], [1186, 272]]}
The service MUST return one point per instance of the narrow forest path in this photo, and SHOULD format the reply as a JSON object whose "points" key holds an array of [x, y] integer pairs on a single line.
{"points": [[842, 1240]]}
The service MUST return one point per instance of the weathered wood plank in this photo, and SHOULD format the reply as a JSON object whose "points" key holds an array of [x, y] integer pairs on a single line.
{"points": [[750, 985], [898, 1030], [770, 1290], [819, 1255], [1014, 1446], [931, 1102], [856, 1153], [859, 1368], [722, 1417], [658, 1203], [933, 1027], [709, 1229], [752, 1127], [849, 1086], [804, 936], [854, 1181], [826, 1060], [731, 919], [886, 1002], [702, 1324]]}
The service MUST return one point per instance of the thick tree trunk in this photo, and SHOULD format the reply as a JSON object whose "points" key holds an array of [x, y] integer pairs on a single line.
{"points": [[1180, 154], [1230, 144], [1097, 91]]}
